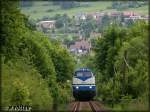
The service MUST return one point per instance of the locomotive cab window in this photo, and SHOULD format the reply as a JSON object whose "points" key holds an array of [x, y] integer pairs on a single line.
{"points": [[83, 74]]}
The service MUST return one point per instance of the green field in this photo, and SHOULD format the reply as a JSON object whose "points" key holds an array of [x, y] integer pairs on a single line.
{"points": [[40, 9]]}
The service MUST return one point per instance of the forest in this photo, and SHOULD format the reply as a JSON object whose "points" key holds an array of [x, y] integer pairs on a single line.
{"points": [[37, 70]]}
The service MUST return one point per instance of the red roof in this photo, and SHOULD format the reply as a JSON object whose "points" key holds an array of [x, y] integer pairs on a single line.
{"points": [[129, 14], [81, 44]]}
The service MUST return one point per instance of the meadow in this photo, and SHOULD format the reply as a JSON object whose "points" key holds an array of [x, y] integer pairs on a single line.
{"points": [[42, 9]]}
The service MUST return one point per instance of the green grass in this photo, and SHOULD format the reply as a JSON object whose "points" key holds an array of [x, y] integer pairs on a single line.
{"points": [[40, 8]]}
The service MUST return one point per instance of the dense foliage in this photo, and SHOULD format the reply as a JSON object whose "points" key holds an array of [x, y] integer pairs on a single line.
{"points": [[66, 4], [120, 5], [33, 63], [121, 62]]}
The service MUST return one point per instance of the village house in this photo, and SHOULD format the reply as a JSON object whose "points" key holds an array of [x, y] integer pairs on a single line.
{"points": [[95, 35], [128, 14], [132, 16], [80, 16], [46, 24], [80, 47], [115, 13], [96, 15], [135, 17]]}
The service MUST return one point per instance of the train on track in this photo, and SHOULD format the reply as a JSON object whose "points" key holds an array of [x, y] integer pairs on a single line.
{"points": [[83, 84]]}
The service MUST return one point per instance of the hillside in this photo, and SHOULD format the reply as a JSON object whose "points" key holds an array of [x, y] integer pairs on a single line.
{"points": [[42, 9]]}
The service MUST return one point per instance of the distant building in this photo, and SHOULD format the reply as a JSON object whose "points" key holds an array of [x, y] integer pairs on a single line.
{"points": [[80, 47], [134, 18], [115, 14], [96, 15], [95, 35], [80, 16], [128, 14], [46, 24]]}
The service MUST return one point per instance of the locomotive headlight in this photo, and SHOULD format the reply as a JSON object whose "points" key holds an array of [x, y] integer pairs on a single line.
{"points": [[90, 87], [77, 87]]}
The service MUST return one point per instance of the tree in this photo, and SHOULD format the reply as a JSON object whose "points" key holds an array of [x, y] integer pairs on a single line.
{"points": [[121, 61], [103, 23], [136, 48], [62, 21], [87, 27], [21, 94], [106, 50]]}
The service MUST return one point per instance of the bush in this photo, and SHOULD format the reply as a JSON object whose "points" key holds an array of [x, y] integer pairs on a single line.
{"points": [[22, 84], [21, 94]]}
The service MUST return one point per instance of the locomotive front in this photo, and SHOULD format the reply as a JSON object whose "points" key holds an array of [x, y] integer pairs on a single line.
{"points": [[83, 85]]}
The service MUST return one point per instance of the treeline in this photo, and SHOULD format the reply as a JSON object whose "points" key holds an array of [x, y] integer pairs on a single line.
{"points": [[62, 4], [120, 5], [26, 3], [35, 69], [66, 4], [121, 66]]}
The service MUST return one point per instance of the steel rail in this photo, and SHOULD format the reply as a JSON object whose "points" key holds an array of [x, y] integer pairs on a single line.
{"points": [[92, 107], [76, 107]]}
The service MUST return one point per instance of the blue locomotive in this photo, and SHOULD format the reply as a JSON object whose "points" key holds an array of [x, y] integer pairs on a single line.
{"points": [[83, 85]]}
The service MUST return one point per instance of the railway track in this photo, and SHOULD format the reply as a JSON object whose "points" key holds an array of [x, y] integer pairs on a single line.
{"points": [[90, 106], [76, 107]]}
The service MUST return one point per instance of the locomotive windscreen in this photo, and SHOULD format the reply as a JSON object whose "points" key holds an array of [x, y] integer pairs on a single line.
{"points": [[83, 74]]}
